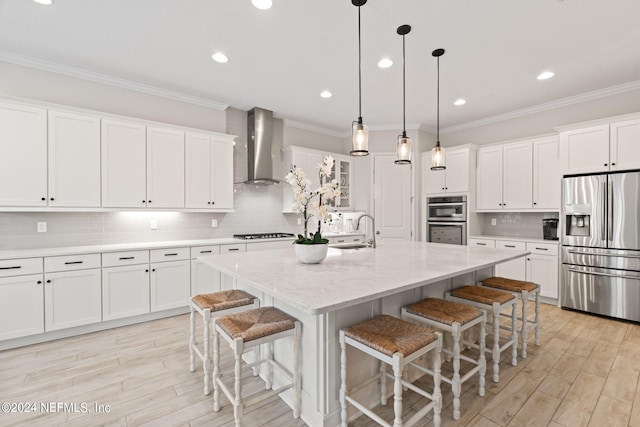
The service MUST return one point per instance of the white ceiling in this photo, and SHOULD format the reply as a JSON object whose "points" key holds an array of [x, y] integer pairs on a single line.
{"points": [[281, 59]]}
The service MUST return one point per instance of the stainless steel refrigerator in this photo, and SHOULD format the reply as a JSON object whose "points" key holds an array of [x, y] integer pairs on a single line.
{"points": [[601, 244]]}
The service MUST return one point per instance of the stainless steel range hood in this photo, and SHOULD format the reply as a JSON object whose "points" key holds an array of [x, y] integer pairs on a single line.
{"points": [[259, 143]]}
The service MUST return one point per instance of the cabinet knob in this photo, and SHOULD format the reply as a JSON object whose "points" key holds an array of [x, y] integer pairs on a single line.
{"points": [[442, 188], [49, 281], [208, 203], [613, 164], [52, 199], [446, 188], [534, 203], [143, 201], [153, 269], [213, 203], [605, 164], [148, 201], [147, 270], [528, 259], [39, 282], [43, 199]]}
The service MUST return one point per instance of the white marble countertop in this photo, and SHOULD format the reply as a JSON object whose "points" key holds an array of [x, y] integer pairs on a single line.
{"points": [[349, 277], [514, 239]]}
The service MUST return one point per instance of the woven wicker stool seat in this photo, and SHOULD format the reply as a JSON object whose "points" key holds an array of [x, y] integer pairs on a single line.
{"points": [[397, 343], [523, 291], [210, 306], [454, 318], [494, 302], [249, 330]]}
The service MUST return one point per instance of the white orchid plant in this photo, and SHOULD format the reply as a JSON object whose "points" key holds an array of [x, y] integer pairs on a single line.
{"points": [[309, 202]]}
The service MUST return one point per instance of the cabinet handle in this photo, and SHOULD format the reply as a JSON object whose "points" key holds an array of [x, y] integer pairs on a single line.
{"points": [[143, 201], [613, 164], [233, 249], [208, 203], [213, 203], [73, 262], [205, 252], [126, 257], [39, 282], [341, 241], [356, 240], [11, 268], [534, 203], [148, 201], [43, 199], [442, 188], [605, 164], [49, 281], [52, 199], [446, 188], [153, 269], [170, 254], [528, 259], [509, 246], [481, 244], [542, 249], [147, 270]]}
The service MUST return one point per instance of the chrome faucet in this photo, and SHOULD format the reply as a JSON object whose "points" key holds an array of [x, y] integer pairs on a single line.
{"points": [[371, 242]]}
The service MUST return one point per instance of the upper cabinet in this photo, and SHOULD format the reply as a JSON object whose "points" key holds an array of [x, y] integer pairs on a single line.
{"points": [[165, 168], [456, 177], [519, 176], [209, 171], [602, 148], [23, 155]]}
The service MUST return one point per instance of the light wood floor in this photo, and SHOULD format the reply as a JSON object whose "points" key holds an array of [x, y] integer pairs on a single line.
{"points": [[585, 373]]}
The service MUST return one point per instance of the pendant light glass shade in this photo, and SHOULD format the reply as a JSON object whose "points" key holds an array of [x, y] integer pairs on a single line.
{"points": [[360, 132], [437, 153], [403, 145]]}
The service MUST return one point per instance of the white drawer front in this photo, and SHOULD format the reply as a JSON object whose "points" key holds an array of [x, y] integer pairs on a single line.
{"points": [[347, 239], [238, 247], [197, 251], [71, 262], [486, 243], [509, 244], [170, 254], [20, 266], [542, 248], [113, 259]]}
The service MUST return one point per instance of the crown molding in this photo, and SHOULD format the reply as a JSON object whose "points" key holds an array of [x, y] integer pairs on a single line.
{"points": [[314, 128], [108, 80], [564, 102]]}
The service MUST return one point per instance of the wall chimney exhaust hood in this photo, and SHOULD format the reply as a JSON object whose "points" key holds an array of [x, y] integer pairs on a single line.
{"points": [[259, 143]]}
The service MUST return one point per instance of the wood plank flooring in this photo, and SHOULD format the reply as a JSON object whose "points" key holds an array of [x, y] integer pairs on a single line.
{"points": [[585, 373]]}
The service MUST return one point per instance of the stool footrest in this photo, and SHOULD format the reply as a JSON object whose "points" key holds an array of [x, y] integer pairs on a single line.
{"points": [[267, 395], [367, 411], [364, 384]]}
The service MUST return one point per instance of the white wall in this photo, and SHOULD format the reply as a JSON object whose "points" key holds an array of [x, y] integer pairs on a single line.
{"points": [[308, 139]]}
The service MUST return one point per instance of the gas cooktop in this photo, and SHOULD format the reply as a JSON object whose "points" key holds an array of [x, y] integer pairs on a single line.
{"points": [[263, 236]]}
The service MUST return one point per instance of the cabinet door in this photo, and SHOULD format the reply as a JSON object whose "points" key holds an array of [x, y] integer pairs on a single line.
{"points": [[457, 172], [74, 160], [344, 177], [124, 173], [517, 176], [313, 171], [125, 291], [489, 175], [165, 168], [204, 279], [515, 269], [585, 150], [547, 178], [291, 158], [21, 306], [625, 145], [23, 155], [543, 270], [434, 181], [72, 298], [222, 175], [198, 171], [170, 285]]}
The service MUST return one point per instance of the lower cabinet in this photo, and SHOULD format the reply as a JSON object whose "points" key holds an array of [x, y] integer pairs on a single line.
{"points": [[21, 306], [170, 285], [72, 298], [515, 269], [204, 279], [125, 291]]}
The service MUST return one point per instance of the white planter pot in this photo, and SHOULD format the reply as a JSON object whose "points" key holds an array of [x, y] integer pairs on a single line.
{"points": [[311, 254]]}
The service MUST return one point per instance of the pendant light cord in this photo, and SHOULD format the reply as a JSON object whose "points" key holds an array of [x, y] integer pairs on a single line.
{"points": [[404, 124], [359, 71], [438, 106]]}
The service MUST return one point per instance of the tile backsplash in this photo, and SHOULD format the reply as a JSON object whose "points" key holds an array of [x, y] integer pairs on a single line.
{"points": [[515, 224], [256, 210]]}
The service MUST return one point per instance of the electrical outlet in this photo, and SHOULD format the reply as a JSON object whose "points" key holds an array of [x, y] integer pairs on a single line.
{"points": [[154, 224], [493, 221], [42, 227], [299, 221], [214, 223]]}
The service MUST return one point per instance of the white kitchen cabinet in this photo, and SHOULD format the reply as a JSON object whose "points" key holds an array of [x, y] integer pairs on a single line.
{"points": [[72, 298], [515, 269], [542, 268], [517, 176], [455, 178], [23, 155], [21, 298], [547, 178], [341, 171], [204, 279], [585, 150], [125, 284], [489, 178], [484, 243], [209, 172], [74, 160], [124, 173], [624, 146], [165, 168], [170, 280]]}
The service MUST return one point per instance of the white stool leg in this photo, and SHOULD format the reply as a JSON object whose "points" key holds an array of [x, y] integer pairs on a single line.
{"points": [[525, 322], [537, 308], [206, 363], [238, 407], [216, 369], [455, 383], [296, 372], [192, 338], [383, 383], [514, 334], [269, 379], [343, 378], [482, 361], [437, 393], [397, 391], [496, 342]]}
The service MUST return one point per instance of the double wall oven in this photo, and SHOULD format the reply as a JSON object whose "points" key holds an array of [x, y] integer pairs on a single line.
{"points": [[447, 220]]}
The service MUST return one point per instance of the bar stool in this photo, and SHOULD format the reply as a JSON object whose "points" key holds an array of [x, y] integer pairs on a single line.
{"points": [[454, 318], [397, 343], [219, 303], [247, 330], [523, 291], [493, 302]]}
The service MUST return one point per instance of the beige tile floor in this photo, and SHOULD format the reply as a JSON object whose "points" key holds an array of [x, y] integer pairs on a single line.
{"points": [[585, 373]]}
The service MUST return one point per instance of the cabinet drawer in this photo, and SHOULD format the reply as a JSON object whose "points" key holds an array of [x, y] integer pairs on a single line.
{"points": [[71, 262], [20, 266], [113, 259], [238, 247], [542, 248], [346, 239], [170, 254], [510, 244], [487, 243], [197, 251]]}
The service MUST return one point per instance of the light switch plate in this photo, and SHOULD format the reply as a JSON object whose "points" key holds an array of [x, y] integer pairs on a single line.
{"points": [[42, 227], [299, 221], [154, 224], [493, 221], [214, 223]]}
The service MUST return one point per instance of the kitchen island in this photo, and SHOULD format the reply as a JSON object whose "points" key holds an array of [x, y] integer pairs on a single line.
{"points": [[350, 285]]}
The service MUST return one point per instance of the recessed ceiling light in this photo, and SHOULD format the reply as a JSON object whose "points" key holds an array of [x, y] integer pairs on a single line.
{"points": [[385, 63], [45, 2], [220, 57], [262, 4], [326, 94], [545, 75], [460, 102]]}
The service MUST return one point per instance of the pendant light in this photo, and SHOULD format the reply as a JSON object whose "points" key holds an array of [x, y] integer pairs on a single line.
{"points": [[437, 153], [360, 131], [403, 145]]}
